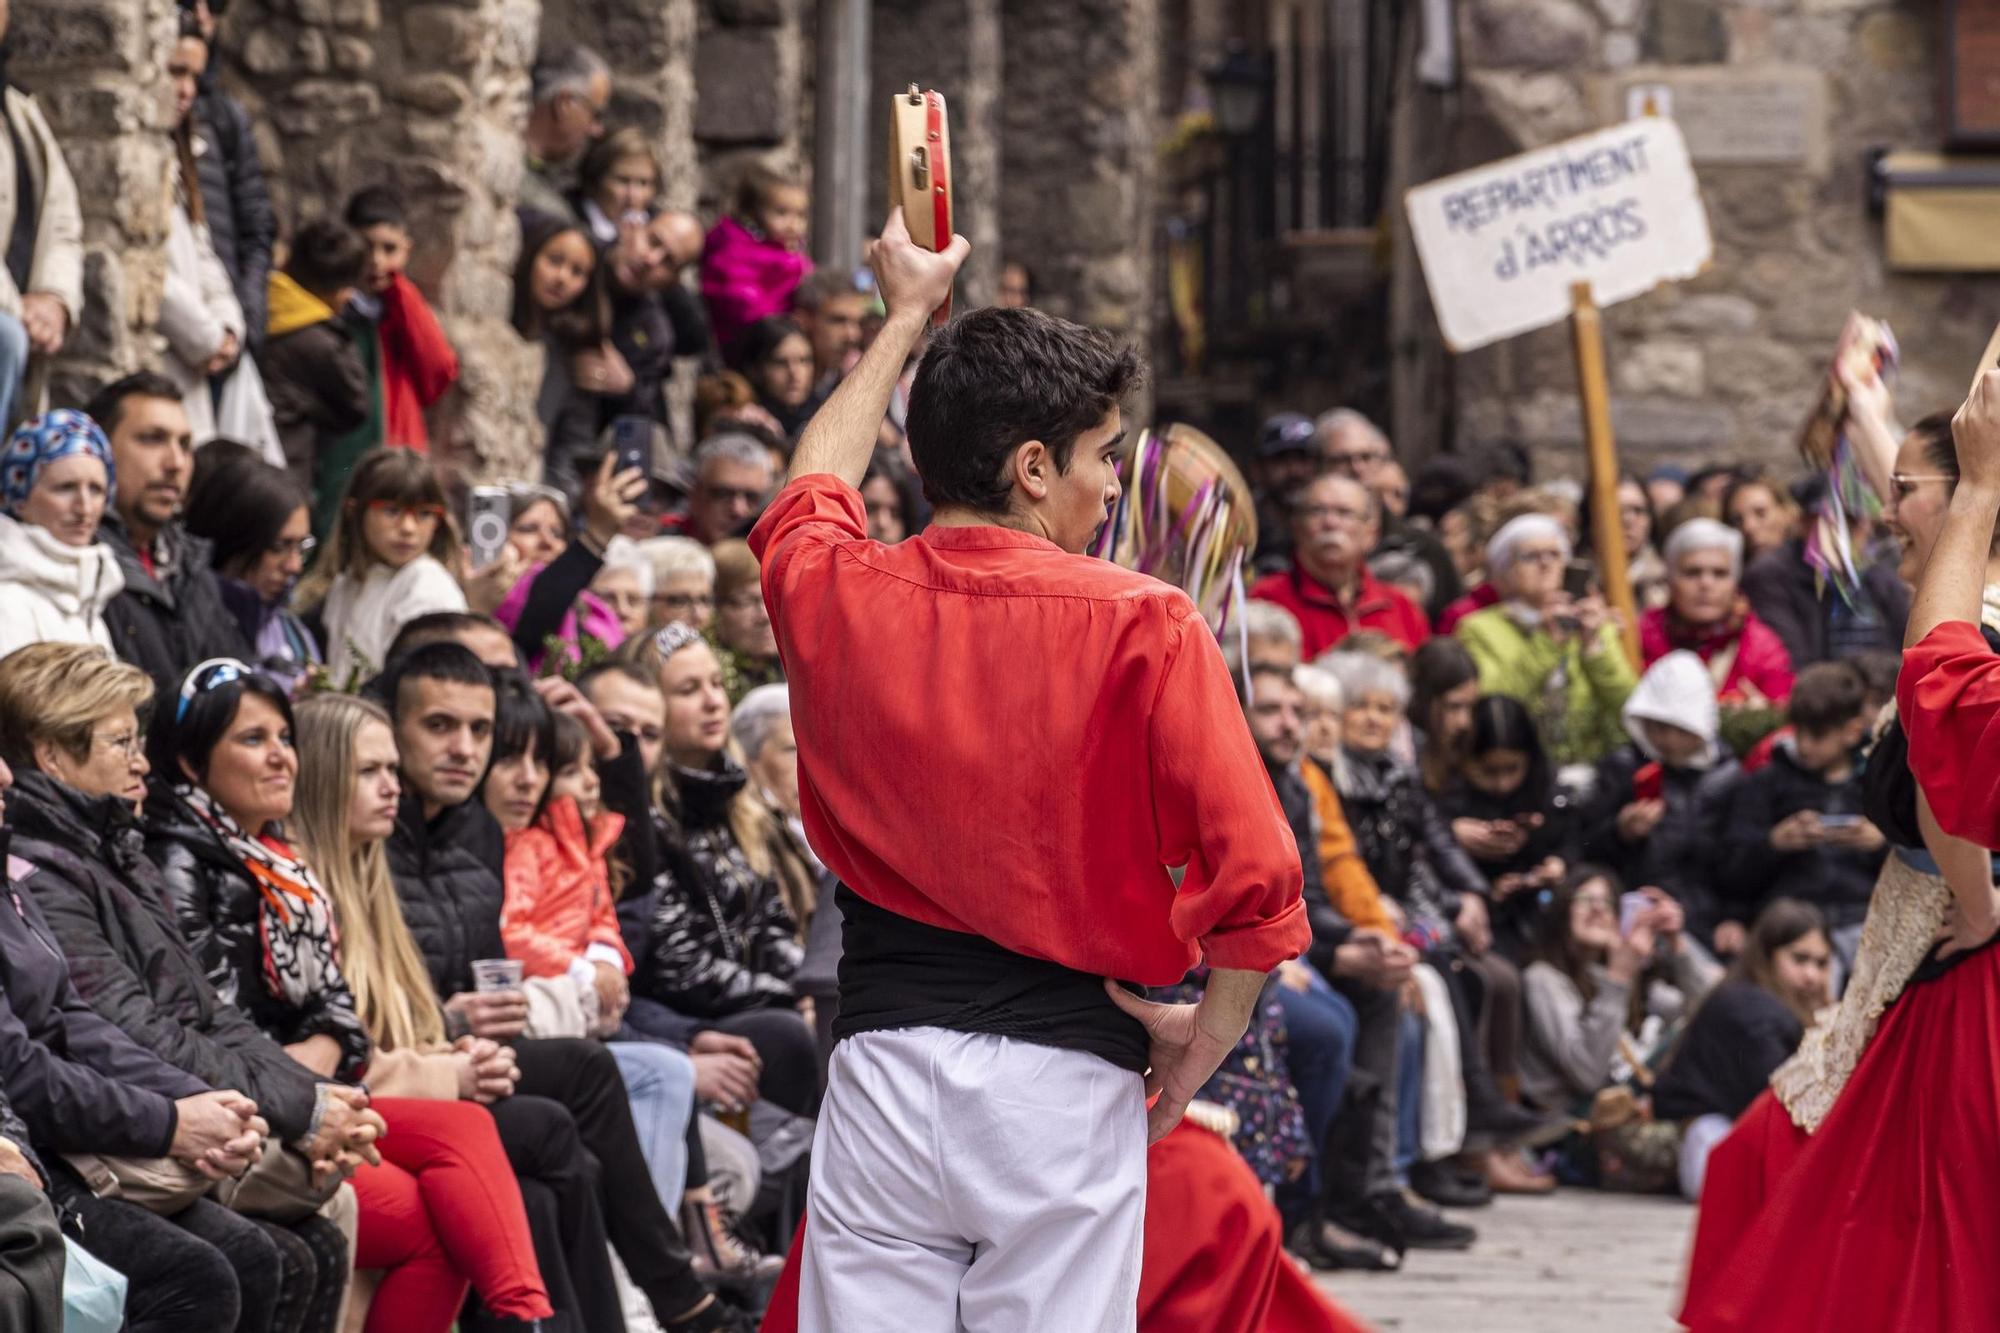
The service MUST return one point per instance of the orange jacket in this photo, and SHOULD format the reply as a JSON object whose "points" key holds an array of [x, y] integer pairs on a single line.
{"points": [[558, 891], [1342, 872]]}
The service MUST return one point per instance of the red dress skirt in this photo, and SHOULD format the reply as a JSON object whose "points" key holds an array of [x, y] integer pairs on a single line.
{"points": [[1213, 1262], [1889, 1217]]}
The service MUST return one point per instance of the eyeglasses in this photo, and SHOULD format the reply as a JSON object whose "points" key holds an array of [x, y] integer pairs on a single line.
{"points": [[730, 495], [1592, 902], [215, 672], [302, 547], [128, 743], [1331, 514], [744, 601], [394, 510], [1367, 458], [684, 601]]}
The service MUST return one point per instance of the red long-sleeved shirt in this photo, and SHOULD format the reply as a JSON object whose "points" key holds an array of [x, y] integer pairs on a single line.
{"points": [[1948, 697], [999, 737]]}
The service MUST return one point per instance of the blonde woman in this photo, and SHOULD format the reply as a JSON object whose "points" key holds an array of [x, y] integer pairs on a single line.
{"points": [[348, 799], [730, 968]]}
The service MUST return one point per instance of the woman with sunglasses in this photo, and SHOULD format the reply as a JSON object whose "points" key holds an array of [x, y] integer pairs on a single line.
{"points": [[446, 1208], [257, 520], [388, 561]]}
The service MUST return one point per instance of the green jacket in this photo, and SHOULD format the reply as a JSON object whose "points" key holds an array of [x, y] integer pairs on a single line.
{"points": [[1583, 721]]}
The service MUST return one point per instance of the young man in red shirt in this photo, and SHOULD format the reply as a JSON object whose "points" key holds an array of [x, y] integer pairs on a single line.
{"points": [[1336, 521], [1003, 746]]}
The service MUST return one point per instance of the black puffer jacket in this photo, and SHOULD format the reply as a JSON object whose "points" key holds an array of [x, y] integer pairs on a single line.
{"points": [[79, 1083], [1405, 841], [1683, 854], [165, 625], [241, 223], [720, 939], [449, 881], [108, 908], [218, 907]]}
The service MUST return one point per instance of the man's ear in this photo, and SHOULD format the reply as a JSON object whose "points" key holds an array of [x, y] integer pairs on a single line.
{"points": [[1034, 469]]}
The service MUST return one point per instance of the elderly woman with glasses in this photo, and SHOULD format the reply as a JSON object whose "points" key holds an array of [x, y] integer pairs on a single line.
{"points": [[552, 598], [257, 520], [1707, 614], [683, 582], [1556, 652], [56, 578], [742, 636]]}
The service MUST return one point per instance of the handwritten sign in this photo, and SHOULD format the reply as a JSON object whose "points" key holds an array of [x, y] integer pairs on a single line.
{"points": [[1502, 244]]}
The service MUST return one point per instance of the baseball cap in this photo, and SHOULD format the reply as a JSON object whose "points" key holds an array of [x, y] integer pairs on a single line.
{"points": [[1286, 433]]}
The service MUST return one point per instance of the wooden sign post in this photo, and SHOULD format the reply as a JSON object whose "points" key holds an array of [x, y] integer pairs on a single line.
{"points": [[1607, 529]]}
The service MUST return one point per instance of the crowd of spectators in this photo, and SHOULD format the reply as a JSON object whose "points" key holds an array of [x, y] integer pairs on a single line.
{"points": [[412, 923]]}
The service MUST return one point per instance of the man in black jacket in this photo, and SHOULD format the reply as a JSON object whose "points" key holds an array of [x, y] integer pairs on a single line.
{"points": [[31, 1243], [445, 857], [171, 614]]}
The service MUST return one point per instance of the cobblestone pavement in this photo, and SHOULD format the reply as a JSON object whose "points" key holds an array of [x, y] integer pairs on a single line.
{"points": [[1574, 1262]]}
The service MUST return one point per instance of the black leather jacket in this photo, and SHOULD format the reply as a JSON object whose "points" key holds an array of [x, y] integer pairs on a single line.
{"points": [[719, 938], [1405, 841]]}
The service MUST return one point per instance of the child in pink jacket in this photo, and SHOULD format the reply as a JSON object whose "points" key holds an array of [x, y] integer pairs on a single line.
{"points": [[755, 256]]}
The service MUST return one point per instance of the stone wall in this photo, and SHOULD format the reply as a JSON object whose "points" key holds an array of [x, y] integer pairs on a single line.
{"points": [[93, 65], [1725, 365], [432, 99], [753, 98], [650, 47]]}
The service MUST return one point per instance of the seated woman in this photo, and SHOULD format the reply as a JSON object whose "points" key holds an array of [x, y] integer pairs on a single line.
{"points": [[1748, 1026], [69, 727], [1559, 655], [56, 578], [1507, 812], [1655, 812], [346, 810], [257, 521], [895, 507], [624, 584], [1444, 684], [683, 582], [717, 936], [551, 598], [744, 642], [1644, 568], [1763, 512], [775, 355], [1602, 998], [560, 920], [266, 927], [1707, 614]]}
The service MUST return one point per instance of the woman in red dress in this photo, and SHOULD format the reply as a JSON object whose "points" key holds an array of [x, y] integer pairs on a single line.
{"points": [[1865, 1201]]}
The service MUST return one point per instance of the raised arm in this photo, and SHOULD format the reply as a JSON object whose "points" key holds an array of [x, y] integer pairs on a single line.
{"points": [[1954, 578], [841, 436]]}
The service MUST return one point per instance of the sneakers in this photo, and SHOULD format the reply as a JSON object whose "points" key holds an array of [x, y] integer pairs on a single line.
{"points": [[721, 1257], [1449, 1188]]}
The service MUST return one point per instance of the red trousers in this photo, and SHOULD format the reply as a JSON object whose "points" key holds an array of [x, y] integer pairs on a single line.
{"points": [[442, 1212]]}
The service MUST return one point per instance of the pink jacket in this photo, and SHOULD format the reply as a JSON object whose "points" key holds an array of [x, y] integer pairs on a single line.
{"points": [[745, 278], [1761, 658], [590, 616], [559, 891]]}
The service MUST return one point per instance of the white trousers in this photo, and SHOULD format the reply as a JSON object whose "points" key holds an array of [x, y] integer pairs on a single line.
{"points": [[975, 1183]]}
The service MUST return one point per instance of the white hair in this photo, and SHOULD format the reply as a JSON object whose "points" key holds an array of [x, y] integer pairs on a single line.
{"points": [[1268, 620], [671, 557], [1705, 534], [757, 716], [1320, 687], [622, 554], [1330, 423], [1363, 674], [732, 446], [566, 69], [1506, 543]]}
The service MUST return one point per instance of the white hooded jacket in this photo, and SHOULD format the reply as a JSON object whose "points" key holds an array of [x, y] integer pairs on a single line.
{"points": [[1677, 690], [52, 591]]}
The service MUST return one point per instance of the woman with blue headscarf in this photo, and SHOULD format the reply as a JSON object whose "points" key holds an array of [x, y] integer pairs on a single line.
{"points": [[56, 578]]}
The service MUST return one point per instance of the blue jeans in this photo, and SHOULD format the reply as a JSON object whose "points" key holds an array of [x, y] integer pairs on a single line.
{"points": [[1320, 1027], [13, 365], [1409, 1095], [659, 1080]]}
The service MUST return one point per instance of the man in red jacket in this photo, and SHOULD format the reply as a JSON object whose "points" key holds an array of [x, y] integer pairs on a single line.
{"points": [[1336, 521], [1003, 746]]}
